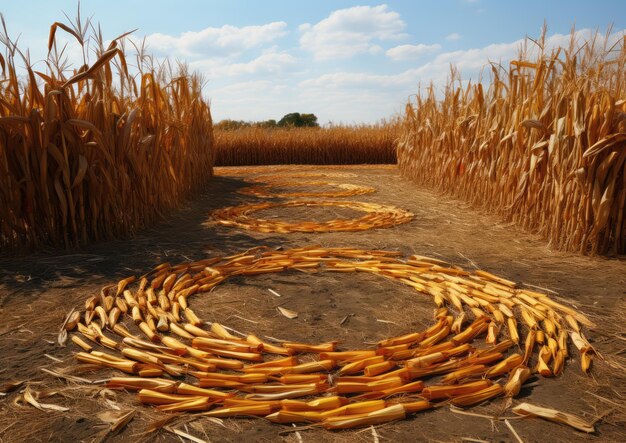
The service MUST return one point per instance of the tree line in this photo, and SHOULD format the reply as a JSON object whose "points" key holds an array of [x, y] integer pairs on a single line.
{"points": [[291, 120]]}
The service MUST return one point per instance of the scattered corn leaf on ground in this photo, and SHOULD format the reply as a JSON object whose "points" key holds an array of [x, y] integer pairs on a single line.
{"points": [[529, 410], [146, 328]]}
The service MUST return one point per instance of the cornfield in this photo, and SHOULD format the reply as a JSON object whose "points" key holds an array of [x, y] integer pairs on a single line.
{"points": [[321, 146], [98, 152], [543, 145]]}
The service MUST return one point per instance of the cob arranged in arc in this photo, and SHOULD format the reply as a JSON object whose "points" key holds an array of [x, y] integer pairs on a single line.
{"points": [[264, 178], [377, 216], [341, 190], [241, 375], [287, 170]]}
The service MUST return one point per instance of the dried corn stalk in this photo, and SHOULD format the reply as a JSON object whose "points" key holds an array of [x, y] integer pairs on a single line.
{"points": [[338, 145], [529, 148], [99, 153]]}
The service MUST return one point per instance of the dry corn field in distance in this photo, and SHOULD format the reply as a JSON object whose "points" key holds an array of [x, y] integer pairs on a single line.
{"points": [[337, 145], [453, 274]]}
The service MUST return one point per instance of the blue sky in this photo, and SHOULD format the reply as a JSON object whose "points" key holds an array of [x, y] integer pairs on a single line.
{"points": [[345, 61]]}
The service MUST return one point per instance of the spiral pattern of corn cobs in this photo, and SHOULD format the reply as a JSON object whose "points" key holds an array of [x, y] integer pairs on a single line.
{"points": [[341, 190], [378, 216], [177, 362]]}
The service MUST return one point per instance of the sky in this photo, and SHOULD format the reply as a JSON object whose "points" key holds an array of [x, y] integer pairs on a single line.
{"points": [[345, 61]]}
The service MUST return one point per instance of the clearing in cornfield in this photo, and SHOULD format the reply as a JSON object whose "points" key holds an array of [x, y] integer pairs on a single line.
{"points": [[366, 222]]}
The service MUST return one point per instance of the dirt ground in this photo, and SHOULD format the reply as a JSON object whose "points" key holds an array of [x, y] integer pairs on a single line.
{"points": [[37, 291]]}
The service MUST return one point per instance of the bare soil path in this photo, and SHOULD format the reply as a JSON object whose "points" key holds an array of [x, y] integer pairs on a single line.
{"points": [[37, 291]]}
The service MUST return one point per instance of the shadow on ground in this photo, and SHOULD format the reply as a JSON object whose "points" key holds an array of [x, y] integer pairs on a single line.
{"points": [[183, 236]]}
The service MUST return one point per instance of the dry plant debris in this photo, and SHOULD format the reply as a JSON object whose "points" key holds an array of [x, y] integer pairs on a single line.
{"points": [[469, 355], [378, 216], [530, 410]]}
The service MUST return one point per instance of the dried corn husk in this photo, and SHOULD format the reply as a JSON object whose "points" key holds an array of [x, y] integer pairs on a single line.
{"points": [[531, 410]]}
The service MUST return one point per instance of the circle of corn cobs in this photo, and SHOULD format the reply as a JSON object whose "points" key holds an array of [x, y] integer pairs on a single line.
{"points": [[232, 171], [378, 216], [342, 190], [281, 177], [177, 362]]}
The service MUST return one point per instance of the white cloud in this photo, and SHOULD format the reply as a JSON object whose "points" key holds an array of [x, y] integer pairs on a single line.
{"points": [[304, 27], [475, 59], [454, 36], [410, 52], [271, 62], [249, 90], [210, 41], [376, 49], [254, 100], [351, 31], [357, 96], [344, 81], [470, 61], [370, 94]]}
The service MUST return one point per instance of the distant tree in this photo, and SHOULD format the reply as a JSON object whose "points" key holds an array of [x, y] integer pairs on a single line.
{"points": [[231, 125], [309, 120], [295, 119], [267, 124]]}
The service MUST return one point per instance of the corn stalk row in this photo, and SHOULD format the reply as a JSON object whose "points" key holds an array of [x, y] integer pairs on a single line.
{"points": [[544, 145], [98, 152], [326, 146]]}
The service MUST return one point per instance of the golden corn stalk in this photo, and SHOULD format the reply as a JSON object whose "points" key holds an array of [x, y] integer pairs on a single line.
{"points": [[542, 144], [338, 145], [238, 375], [96, 153], [377, 216]]}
